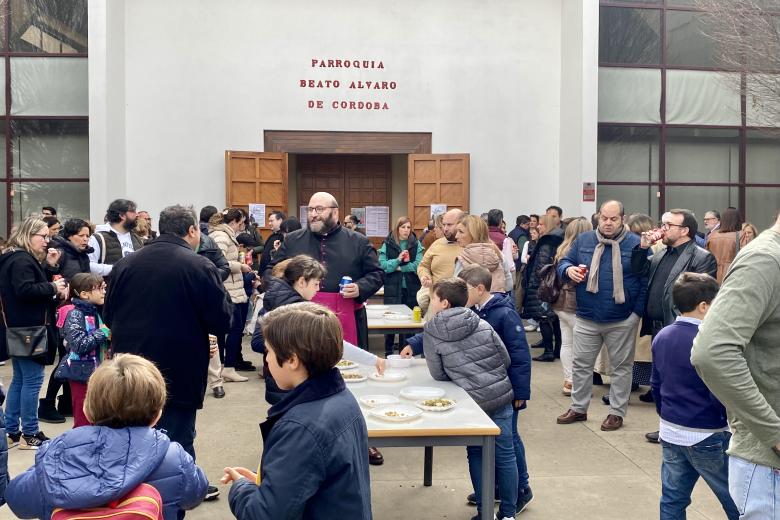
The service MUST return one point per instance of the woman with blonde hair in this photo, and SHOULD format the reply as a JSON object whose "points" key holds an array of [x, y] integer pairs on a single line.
{"points": [[472, 235], [399, 257], [28, 297], [749, 232], [534, 308], [566, 306]]}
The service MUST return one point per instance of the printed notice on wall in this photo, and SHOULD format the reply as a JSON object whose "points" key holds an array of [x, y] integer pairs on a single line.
{"points": [[438, 209], [257, 214], [377, 221], [304, 216]]}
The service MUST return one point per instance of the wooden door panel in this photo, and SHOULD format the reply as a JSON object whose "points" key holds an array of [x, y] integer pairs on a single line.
{"points": [[256, 177], [436, 179]]}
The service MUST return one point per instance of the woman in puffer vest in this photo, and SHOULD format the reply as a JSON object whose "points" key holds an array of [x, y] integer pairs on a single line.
{"points": [[223, 228], [472, 235]]}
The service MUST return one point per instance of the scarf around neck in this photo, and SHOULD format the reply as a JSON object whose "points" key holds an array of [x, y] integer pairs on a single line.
{"points": [[617, 266]]}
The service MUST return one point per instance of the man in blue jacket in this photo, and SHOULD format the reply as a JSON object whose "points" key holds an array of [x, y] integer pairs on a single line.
{"points": [[609, 304]]}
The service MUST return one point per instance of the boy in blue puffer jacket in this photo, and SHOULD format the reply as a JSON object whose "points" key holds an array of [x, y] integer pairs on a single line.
{"points": [[499, 311], [3, 451], [94, 465]]}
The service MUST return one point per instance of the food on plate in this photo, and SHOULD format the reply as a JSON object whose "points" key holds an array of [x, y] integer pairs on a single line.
{"points": [[437, 403], [352, 376], [345, 363], [393, 413]]}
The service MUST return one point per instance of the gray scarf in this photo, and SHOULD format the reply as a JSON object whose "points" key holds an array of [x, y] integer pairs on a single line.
{"points": [[617, 265]]}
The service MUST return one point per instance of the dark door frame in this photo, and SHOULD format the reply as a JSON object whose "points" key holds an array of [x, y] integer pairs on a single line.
{"points": [[323, 142]]}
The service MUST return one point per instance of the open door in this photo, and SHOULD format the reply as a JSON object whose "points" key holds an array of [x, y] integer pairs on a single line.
{"points": [[436, 179], [256, 177]]}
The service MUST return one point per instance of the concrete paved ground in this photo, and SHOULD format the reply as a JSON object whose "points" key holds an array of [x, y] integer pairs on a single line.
{"points": [[577, 471]]}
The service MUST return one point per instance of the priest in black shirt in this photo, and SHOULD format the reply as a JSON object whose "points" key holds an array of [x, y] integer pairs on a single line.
{"points": [[343, 253]]}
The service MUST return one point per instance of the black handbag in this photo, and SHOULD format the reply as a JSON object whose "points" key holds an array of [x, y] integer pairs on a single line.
{"points": [[549, 285], [26, 342], [77, 370]]}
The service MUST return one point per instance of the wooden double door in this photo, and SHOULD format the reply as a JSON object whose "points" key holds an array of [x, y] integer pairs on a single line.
{"points": [[356, 181]]}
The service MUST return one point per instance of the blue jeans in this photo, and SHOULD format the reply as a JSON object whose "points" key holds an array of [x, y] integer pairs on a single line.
{"points": [[522, 467], [755, 489], [22, 399], [506, 464], [683, 465]]}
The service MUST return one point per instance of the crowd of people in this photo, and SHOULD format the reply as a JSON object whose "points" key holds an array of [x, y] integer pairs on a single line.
{"points": [[646, 303]]}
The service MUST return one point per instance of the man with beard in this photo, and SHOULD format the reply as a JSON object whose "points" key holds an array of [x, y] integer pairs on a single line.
{"points": [[439, 260], [344, 253], [610, 300], [275, 220], [118, 241], [680, 255]]}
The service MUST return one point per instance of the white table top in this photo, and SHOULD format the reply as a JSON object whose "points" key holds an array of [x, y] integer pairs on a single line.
{"points": [[467, 418], [374, 323]]}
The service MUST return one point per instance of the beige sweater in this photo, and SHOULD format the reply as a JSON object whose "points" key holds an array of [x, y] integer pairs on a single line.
{"points": [[439, 261], [225, 238]]}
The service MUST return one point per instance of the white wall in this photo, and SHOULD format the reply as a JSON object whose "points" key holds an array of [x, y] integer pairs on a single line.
{"points": [[178, 82]]}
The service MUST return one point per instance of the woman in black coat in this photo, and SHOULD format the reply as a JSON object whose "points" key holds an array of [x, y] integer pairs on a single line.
{"points": [[73, 242], [533, 307], [28, 300]]}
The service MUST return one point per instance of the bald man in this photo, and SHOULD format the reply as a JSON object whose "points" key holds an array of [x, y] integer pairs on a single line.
{"points": [[439, 260], [343, 253]]}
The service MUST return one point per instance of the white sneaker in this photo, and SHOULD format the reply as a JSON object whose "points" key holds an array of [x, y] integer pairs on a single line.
{"points": [[531, 328]]}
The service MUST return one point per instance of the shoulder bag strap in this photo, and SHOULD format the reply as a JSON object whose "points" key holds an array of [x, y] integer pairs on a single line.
{"points": [[102, 241], [737, 235]]}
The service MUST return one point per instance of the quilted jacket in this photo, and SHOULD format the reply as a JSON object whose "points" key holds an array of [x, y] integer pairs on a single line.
{"points": [[461, 347]]}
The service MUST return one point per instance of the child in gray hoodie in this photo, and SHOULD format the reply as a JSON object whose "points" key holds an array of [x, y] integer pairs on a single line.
{"points": [[461, 347]]}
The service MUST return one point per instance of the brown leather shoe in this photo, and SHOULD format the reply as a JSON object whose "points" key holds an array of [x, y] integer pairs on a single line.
{"points": [[375, 458], [571, 417], [612, 423]]}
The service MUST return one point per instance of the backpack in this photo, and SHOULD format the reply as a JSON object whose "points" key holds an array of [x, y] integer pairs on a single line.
{"points": [[142, 503], [549, 285]]}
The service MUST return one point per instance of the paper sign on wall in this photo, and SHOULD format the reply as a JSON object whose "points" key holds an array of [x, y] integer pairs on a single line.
{"points": [[257, 214], [304, 216], [588, 191], [438, 209], [377, 221]]}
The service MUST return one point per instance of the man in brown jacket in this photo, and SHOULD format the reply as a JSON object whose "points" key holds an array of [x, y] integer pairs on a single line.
{"points": [[439, 260]]}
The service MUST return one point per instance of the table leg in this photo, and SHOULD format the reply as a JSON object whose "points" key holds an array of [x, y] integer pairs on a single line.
{"points": [[488, 476], [428, 468]]}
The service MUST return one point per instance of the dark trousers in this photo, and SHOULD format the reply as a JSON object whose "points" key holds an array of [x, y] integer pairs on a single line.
{"points": [[179, 424], [54, 385], [361, 320], [233, 341], [410, 300]]}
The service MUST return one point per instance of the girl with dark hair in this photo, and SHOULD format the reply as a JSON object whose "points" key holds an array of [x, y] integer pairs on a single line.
{"points": [[399, 257]]}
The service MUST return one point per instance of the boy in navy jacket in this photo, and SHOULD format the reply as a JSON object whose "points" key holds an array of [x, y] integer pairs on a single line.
{"points": [[499, 311], [315, 442], [694, 431]]}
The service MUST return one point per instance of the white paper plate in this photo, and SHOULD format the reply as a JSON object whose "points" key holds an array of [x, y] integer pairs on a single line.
{"points": [[422, 406], [397, 317], [378, 400], [377, 307], [349, 377], [390, 376], [417, 393], [398, 413], [346, 364]]}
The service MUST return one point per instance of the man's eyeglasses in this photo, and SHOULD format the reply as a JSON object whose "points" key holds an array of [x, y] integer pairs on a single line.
{"points": [[319, 209], [667, 225]]}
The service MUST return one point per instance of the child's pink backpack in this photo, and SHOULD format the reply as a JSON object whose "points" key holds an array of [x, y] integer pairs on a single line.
{"points": [[142, 503]]}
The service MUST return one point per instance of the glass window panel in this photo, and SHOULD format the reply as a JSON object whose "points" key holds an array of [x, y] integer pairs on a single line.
{"points": [[51, 26], [695, 97], [763, 157], [638, 2], [701, 199], [762, 205], [3, 211], [70, 198], [686, 44], [628, 154], [635, 199], [762, 103], [629, 95], [629, 35], [702, 155], [50, 149], [49, 87]]}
